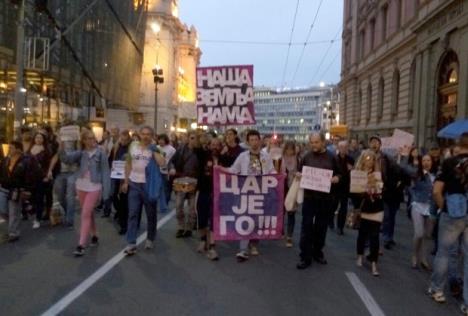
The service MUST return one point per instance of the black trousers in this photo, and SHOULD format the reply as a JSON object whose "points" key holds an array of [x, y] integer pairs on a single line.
{"points": [[120, 202], [315, 220], [369, 230], [342, 211]]}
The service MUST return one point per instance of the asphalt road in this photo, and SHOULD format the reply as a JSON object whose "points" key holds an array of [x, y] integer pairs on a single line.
{"points": [[173, 279]]}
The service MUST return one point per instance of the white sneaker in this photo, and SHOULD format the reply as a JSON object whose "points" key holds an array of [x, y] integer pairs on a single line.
{"points": [[242, 256], [201, 247], [149, 244], [36, 224], [212, 255], [2, 220]]}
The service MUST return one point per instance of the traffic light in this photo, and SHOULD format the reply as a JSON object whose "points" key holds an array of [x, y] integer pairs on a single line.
{"points": [[158, 75]]}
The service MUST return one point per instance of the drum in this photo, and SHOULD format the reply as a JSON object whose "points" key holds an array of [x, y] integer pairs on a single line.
{"points": [[185, 184]]}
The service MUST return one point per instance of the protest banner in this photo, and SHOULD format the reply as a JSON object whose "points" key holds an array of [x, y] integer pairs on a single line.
{"points": [[70, 133], [247, 207], [387, 143], [358, 181], [316, 179], [225, 96], [402, 139], [118, 169]]}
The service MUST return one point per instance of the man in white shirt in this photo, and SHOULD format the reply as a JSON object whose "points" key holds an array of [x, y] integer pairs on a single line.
{"points": [[251, 162], [139, 157], [169, 151]]}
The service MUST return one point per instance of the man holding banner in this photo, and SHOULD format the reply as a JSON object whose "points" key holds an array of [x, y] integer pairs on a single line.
{"points": [[252, 163], [319, 171]]}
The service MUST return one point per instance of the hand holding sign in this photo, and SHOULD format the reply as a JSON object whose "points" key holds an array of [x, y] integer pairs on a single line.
{"points": [[317, 179]]}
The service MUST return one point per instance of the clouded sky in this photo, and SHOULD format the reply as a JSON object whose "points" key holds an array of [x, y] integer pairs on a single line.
{"points": [[265, 26]]}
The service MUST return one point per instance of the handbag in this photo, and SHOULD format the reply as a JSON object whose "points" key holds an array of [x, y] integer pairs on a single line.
{"points": [[153, 184], [291, 197], [353, 220]]}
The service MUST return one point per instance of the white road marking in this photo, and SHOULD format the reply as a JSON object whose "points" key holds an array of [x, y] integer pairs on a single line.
{"points": [[366, 297], [96, 276]]}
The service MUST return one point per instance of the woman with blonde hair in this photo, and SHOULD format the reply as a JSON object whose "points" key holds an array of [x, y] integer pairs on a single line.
{"points": [[92, 183], [371, 210]]}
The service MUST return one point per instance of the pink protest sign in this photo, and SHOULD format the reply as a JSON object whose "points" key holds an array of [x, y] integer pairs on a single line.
{"points": [[247, 207], [225, 95]]}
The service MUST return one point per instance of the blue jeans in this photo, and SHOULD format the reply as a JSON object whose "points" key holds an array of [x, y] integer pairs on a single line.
{"points": [[449, 232], [66, 195], [137, 198], [388, 225]]}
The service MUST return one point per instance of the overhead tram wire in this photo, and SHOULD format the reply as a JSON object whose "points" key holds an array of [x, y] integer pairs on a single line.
{"points": [[306, 42], [325, 55], [331, 64], [289, 44]]}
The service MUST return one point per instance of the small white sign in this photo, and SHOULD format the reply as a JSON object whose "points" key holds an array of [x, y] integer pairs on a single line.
{"points": [[316, 179], [118, 169], [70, 133], [358, 181], [402, 139]]}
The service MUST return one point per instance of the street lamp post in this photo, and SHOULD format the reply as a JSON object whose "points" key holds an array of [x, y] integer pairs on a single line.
{"points": [[20, 90], [158, 79]]}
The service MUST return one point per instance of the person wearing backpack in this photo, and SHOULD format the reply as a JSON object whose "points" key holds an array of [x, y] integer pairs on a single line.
{"points": [[450, 195]]}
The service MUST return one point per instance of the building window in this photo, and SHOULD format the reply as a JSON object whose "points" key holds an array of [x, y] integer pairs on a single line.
{"points": [[358, 107], [384, 17], [362, 44], [400, 14], [372, 34], [369, 103], [380, 100], [412, 92], [447, 90], [395, 93]]}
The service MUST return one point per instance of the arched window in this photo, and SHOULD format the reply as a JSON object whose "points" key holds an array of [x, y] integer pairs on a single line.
{"points": [[369, 103], [447, 90], [395, 94], [380, 99]]}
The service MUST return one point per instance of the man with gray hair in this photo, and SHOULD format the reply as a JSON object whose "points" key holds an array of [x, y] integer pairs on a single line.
{"points": [[318, 206]]}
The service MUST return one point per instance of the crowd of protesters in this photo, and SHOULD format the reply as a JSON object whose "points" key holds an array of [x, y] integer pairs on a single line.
{"points": [[42, 175]]}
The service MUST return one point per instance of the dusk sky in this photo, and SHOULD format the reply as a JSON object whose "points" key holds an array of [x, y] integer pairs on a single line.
{"points": [[268, 23]]}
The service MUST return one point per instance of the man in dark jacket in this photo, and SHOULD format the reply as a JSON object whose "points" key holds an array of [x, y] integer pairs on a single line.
{"points": [[392, 192], [19, 180], [318, 206], [345, 163], [185, 163]]}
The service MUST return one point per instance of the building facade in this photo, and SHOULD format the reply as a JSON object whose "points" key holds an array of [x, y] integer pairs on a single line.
{"points": [[79, 74], [172, 47], [404, 63], [291, 114]]}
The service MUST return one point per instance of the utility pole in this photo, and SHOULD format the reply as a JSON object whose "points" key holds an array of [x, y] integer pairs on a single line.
{"points": [[20, 89]]}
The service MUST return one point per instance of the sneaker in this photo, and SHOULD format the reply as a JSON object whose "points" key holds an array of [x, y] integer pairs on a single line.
{"points": [[180, 233], [130, 250], [149, 244], [289, 243], [201, 247], [94, 241], [437, 296], [36, 224], [242, 256], [464, 309], [2, 220], [254, 251], [79, 251], [187, 234], [12, 238], [212, 255]]}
